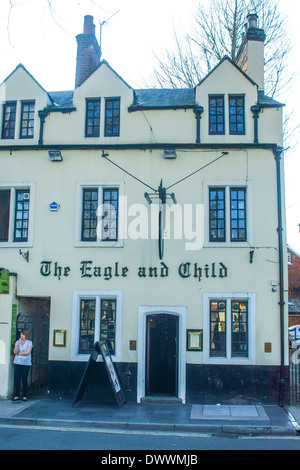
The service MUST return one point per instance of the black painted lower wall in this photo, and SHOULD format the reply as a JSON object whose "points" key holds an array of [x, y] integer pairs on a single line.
{"points": [[64, 379], [205, 384], [233, 384]]}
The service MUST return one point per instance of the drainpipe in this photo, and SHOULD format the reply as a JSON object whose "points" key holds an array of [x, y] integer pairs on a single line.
{"points": [[255, 111], [198, 110], [277, 154], [42, 115]]}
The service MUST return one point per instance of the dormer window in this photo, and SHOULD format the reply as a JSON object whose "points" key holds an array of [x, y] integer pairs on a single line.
{"points": [[92, 118], [27, 120], [216, 114], [236, 115], [112, 117], [9, 120]]}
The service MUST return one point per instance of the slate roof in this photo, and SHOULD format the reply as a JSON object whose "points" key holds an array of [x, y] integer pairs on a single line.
{"points": [[160, 98], [61, 100], [267, 102], [156, 98], [151, 98]]}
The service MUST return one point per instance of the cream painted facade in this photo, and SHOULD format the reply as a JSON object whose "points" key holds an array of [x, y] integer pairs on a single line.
{"points": [[63, 269]]}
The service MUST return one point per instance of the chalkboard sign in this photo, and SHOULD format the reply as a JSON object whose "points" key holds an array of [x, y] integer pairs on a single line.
{"points": [[101, 348]]}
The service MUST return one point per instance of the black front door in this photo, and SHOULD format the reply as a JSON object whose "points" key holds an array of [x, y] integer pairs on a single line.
{"points": [[162, 355]]}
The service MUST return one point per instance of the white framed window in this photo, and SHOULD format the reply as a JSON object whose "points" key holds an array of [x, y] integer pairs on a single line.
{"points": [[96, 316], [228, 217], [16, 214], [99, 214], [229, 328]]}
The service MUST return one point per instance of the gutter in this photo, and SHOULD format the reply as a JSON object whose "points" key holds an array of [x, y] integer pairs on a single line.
{"points": [[141, 146]]}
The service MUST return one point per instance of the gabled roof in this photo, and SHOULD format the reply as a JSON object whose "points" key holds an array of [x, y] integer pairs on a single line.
{"points": [[107, 64], [28, 73], [226, 57]]}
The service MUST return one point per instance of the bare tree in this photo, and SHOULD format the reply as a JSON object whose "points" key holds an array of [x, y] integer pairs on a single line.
{"points": [[217, 31], [51, 6]]}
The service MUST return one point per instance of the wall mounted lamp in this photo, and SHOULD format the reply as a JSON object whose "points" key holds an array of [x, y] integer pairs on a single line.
{"points": [[55, 155]]}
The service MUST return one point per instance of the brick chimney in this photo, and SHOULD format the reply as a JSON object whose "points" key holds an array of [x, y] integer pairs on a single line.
{"points": [[251, 54], [88, 52]]}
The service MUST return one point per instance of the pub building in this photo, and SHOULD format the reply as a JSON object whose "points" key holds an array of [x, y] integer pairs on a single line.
{"points": [[152, 219]]}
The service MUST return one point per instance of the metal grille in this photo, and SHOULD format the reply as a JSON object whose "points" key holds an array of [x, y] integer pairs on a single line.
{"points": [[38, 328], [294, 373]]}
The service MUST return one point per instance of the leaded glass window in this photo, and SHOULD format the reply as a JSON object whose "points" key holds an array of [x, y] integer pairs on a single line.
{"points": [[4, 214], [92, 119], [87, 325], [89, 214], [216, 115], [238, 214], [110, 214], [112, 117], [21, 215], [27, 120], [108, 323], [217, 328], [239, 328], [9, 120], [236, 115], [217, 214]]}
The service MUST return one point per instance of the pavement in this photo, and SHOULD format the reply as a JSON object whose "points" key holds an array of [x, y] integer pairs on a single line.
{"points": [[164, 417]]}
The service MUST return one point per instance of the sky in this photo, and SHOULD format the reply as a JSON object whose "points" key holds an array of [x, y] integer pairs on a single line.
{"points": [[133, 31]]}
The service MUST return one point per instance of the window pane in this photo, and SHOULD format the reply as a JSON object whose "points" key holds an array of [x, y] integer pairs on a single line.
{"points": [[89, 214], [217, 214], [87, 325], [216, 115], [92, 126], [9, 119], [27, 121], [238, 214], [110, 214], [112, 117], [4, 214], [108, 323], [217, 328], [21, 215], [239, 328], [236, 115]]}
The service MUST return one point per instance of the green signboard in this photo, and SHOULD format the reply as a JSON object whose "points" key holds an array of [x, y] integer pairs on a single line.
{"points": [[4, 281]]}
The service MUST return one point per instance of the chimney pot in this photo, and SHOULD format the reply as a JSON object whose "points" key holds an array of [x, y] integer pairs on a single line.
{"points": [[89, 27], [252, 20]]}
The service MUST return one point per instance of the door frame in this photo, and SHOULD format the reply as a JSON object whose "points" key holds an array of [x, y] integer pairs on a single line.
{"points": [[143, 312]]}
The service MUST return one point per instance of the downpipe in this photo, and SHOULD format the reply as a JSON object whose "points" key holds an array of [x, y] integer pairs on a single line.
{"points": [[277, 155]]}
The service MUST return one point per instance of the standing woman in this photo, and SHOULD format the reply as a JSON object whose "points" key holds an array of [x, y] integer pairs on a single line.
{"points": [[22, 363]]}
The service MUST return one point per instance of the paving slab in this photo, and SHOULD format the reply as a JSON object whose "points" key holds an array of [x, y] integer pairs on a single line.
{"points": [[229, 412]]}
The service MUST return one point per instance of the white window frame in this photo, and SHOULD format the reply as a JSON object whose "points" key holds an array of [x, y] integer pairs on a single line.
{"points": [[227, 185], [14, 187], [98, 296], [78, 214], [228, 297]]}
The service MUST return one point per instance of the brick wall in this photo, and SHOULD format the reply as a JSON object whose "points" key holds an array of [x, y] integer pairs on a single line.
{"points": [[88, 52]]}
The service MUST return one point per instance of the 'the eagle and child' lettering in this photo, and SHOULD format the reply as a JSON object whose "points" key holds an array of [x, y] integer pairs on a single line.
{"points": [[89, 270]]}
